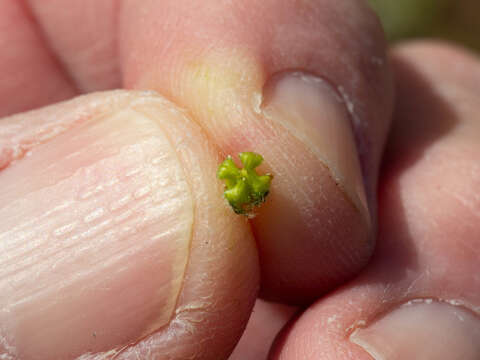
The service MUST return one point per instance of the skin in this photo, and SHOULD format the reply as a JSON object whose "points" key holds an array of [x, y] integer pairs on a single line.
{"points": [[439, 123], [149, 45]]}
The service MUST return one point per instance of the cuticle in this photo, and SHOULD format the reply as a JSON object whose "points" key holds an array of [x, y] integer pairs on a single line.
{"points": [[366, 322], [276, 76]]}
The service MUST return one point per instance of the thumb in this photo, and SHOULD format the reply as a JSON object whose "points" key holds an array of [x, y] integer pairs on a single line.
{"points": [[114, 235]]}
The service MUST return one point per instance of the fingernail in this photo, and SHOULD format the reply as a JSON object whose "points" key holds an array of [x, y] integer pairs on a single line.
{"points": [[95, 227], [422, 330], [314, 113]]}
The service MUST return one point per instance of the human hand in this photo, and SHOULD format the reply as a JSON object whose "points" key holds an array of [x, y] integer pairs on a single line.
{"points": [[418, 297], [116, 241]]}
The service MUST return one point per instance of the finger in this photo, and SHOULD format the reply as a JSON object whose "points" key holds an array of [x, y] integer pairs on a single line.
{"points": [[419, 298], [263, 326], [289, 83], [114, 235], [52, 50], [83, 36], [31, 74]]}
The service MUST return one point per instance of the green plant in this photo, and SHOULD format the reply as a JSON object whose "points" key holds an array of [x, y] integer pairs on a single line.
{"points": [[244, 188]]}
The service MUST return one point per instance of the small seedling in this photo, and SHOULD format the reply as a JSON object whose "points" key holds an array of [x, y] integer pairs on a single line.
{"points": [[244, 188]]}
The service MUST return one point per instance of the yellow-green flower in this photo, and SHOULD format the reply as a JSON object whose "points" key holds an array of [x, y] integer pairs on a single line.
{"points": [[244, 188]]}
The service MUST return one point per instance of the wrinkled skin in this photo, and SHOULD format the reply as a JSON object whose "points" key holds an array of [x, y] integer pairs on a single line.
{"points": [[116, 242]]}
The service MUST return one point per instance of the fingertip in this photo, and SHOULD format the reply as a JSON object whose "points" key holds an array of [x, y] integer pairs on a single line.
{"points": [[418, 297], [324, 165], [115, 234]]}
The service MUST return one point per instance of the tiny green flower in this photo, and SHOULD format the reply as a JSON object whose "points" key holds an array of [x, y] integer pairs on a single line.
{"points": [[244, 188]]}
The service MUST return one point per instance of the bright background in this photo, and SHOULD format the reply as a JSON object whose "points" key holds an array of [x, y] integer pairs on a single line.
{"points": [[456, 20]]}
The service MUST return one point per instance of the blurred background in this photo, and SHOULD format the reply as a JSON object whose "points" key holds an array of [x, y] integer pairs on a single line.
{"points": [[455, 20]]}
